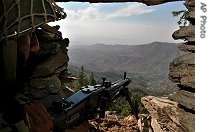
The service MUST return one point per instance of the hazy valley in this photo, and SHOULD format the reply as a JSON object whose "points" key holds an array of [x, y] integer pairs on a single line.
{"points": [[147, 65]]}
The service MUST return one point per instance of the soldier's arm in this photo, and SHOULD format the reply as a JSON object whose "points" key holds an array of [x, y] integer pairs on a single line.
{"points": [[39, 118]]}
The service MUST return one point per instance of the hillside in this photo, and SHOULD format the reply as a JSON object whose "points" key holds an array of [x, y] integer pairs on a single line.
{"points": [[147, 64]]}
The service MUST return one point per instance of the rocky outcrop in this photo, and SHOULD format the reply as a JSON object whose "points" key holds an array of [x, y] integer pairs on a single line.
{"points": [[48, 68], [166, 116], [187, 47], [182, 70], [176, 112], [186, 33], [184, 98]]}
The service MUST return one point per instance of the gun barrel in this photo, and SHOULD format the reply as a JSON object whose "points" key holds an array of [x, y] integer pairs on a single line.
{"points": [[120, 84]]}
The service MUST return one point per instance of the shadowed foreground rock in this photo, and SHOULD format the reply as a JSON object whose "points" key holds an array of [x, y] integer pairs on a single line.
{"points": [[46, 68]]}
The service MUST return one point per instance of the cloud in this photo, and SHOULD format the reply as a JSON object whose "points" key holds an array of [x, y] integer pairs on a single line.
{"points": [[94, 12], [95, 23], [85, 14], [133, 9]]}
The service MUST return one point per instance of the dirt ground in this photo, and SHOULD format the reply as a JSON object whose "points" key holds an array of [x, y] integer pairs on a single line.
{"points": [[112, 123]]}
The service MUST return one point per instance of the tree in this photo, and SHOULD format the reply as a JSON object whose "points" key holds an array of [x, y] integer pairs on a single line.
{"points": [[121, 105], [182, 19], [82, 79], [92, 80]]}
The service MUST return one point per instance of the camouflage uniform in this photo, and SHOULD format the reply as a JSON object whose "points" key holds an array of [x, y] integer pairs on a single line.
{"points": [[17, 18]]}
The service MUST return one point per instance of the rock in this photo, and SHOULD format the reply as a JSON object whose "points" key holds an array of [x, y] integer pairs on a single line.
{"points": [[63, 44], [48, 67], [38, 93], [186, 33], [130, 118], [52, 84], [42, 87], [184, 98], [51, 29], [47, 49], [112, 123], [182, 70], [190, 39], [66, 92], [144, 123], [166, 116], [61, 68], [190, 15], [110, 112], [51, 32], [49, 46], [190, 4], [187, 47]]}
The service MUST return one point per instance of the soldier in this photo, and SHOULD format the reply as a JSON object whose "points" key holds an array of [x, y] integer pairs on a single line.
{"points": [[18, 21]]}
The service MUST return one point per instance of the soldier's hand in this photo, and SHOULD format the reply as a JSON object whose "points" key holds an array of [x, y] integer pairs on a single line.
{"points": [[39, 118]]}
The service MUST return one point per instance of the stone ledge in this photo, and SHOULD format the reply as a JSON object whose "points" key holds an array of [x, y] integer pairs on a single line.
{"points": [[185, 32], [166, 116], [185, 98], [182, 70]]}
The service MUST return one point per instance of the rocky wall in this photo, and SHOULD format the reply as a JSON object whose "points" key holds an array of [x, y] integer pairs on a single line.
{"points": [[47, 68], [176, 112]]}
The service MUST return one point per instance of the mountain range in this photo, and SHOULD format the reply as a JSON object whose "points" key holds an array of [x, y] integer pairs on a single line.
{"points": [[147, 64]]}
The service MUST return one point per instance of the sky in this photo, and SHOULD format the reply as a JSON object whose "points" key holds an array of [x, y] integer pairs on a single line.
{"points": [[119, 23]]}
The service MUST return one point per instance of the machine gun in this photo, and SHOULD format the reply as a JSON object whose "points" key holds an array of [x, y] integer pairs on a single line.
{"points": [[89, 102]]}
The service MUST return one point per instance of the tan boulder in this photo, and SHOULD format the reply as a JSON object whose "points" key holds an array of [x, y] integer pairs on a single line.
{"points": [[166, 116]]}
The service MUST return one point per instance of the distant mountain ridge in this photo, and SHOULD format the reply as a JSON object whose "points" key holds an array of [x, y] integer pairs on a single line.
{"points": [[150, 61]]}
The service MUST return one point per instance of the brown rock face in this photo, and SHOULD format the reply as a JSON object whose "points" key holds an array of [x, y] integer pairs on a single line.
{"points": [[185, 33], [190, 15], [190, 4], [182, 70], [184, 98], [187, 47], [166, 116]]}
